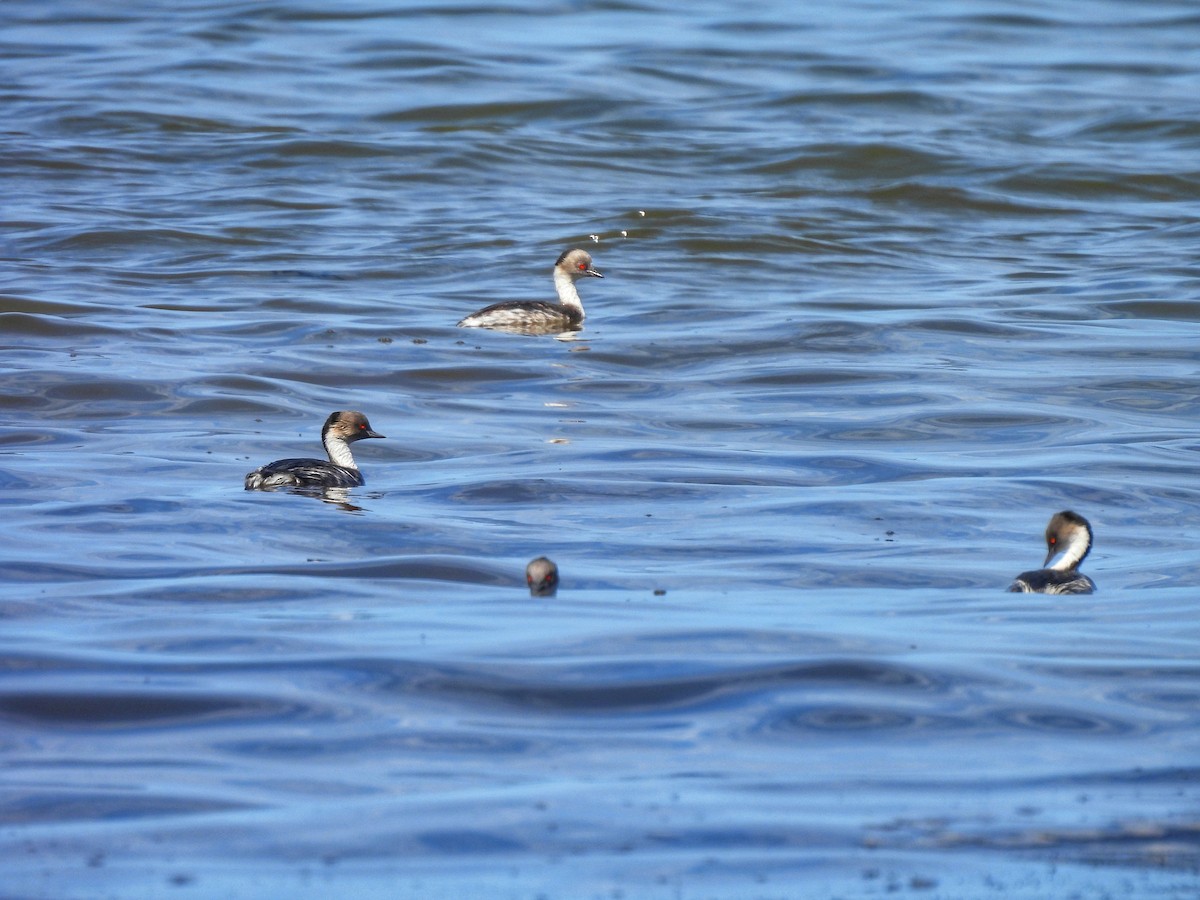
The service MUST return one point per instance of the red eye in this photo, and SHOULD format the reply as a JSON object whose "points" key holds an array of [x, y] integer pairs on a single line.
{"points": [[1053, 540], [583, 267]]}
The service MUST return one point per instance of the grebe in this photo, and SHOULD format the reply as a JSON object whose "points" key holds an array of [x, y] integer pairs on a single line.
{"points": [[542, 577], [339, 431], [1068, 540], [538, 316]]}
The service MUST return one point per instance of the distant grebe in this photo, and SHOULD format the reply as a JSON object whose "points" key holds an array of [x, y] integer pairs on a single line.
{"points": [[538, 316], [340, 430], [542, 577], [1068, 541]]}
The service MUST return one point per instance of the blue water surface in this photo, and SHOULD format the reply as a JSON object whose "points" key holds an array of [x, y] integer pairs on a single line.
{"points": [[886, 285]]}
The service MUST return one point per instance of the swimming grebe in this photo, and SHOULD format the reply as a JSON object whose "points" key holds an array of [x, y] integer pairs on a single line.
{"points": [[542, 577], [1068, 540], [339, 431], [538, 316]]}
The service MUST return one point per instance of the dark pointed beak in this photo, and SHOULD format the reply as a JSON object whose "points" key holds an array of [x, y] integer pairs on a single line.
{"points": [[593, 273], [370, 433]]}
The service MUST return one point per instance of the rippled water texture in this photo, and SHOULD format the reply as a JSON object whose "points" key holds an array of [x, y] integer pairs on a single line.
{"points": [[886, 285]]}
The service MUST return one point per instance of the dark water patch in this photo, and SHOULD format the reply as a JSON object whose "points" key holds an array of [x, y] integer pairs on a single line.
{"points": [[427, 61], [728, 839], [106, 711], [39, 437], [808, 401], [1134, 843], [827, 717], [12, 304], [1167, 673], [849, 718], [467, 842], [673, 72], [134, 506], [402, 742], [228, 408], [1087, 185], [464, 377], [1168, 310], [886, 572], [313, 149], [517, 492], [833, 469], [62, 395], [993, 420], [953, 200], [581, 692], [1015, 428], [13, 482], [971, 326], [910, 100], [115, 122], [860, 163], [1179, 397], [119, 803], [812, 375], [1165, 699], [143, 241], [465, 570], [1010, 21], [732, 643], [455, 116], [57, 326], [1064, 722], [1137, 128]]}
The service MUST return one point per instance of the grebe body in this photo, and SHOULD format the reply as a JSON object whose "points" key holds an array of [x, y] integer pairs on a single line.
{"points": [[339, 431], [539, 316], [1068, 542]]}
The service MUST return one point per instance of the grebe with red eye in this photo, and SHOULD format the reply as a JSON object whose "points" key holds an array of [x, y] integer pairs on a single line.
{"points": [[1068, 542], [339, 431], [542, 577], [539, 316]]}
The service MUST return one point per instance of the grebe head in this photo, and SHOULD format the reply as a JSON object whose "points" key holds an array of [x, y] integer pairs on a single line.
{"points": [[542, 577], [1068, 540], [576, 263], [347, 425]]}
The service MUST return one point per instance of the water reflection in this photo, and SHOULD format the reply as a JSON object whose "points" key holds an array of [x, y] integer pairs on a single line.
{"points": [[338, 496]]}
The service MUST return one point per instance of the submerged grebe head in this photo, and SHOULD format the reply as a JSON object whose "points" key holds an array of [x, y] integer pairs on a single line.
{"points": [[1068, 541], [575, 263], [542, 577]]}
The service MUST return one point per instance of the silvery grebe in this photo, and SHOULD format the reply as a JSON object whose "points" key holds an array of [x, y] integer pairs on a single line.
{"points": [[542, 577], [340, 430], [538, 316], [1068, 541]]}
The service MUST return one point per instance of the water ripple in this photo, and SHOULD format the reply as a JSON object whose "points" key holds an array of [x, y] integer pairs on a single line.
{"points": [[885, 287]]}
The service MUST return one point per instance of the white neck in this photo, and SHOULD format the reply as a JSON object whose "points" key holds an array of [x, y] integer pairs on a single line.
{"points": [[339, 451], [565, 285], [1069, 556]]}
